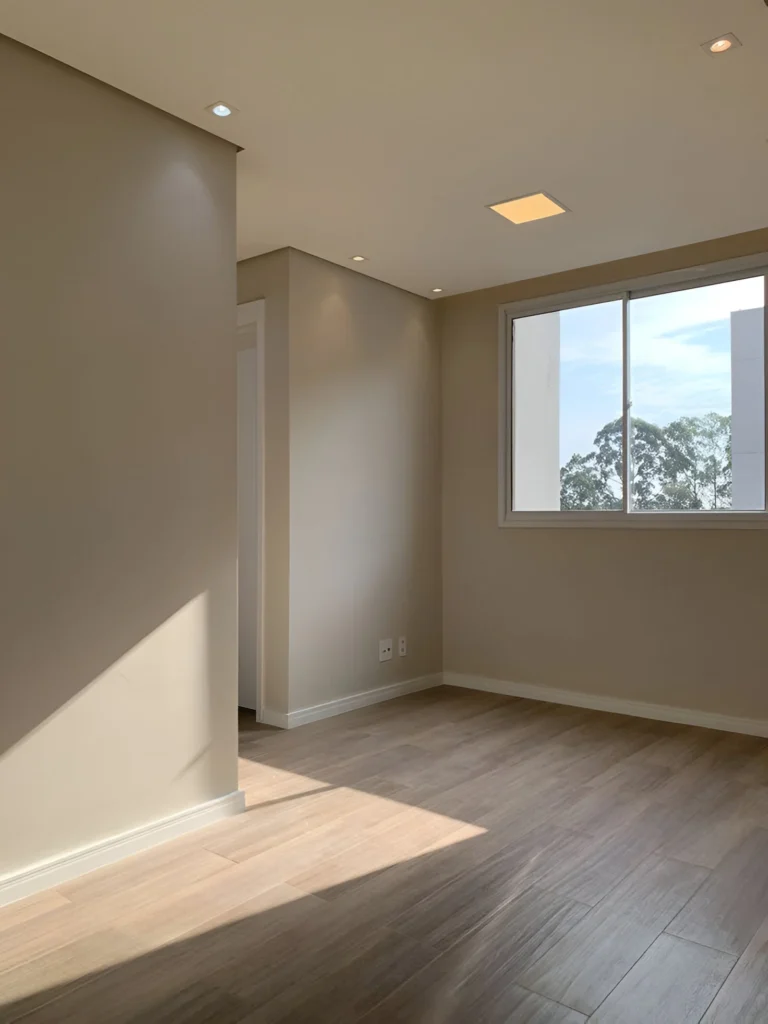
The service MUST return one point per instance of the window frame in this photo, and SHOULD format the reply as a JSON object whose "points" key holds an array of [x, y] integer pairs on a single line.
{"points": [[638, 288]]}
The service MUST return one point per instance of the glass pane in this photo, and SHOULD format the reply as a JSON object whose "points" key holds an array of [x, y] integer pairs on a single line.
{"points": [[698, 402], [566, 409]]}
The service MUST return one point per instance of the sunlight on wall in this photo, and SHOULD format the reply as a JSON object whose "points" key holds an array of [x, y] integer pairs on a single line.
{"points": [[151, 710]]}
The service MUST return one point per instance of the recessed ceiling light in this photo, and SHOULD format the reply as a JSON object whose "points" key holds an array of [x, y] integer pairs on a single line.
{"points": [[221, 109], [437, 290], [359, 259], [721, 44], [527, 208]]}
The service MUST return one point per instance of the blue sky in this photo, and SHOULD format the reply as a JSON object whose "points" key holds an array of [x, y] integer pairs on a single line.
{"points": [[679, 356]]}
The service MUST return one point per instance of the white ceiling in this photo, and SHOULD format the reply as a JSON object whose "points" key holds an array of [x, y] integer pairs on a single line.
{"points": [[385, 127]]}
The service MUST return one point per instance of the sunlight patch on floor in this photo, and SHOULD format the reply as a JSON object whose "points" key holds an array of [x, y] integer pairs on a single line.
{"points": [[357, 832]]}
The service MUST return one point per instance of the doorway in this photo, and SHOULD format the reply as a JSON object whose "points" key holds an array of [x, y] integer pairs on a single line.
{"points": [[250, 501]]}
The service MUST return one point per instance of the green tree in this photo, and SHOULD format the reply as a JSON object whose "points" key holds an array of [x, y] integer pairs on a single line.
{"points": [[685, 465], [697, 463], [582, 485]]}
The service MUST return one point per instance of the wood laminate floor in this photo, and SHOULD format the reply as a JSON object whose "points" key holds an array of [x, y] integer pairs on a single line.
{"points": [[447, 857]]}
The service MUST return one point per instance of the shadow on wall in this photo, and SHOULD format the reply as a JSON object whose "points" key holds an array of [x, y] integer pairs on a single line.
{"points": [[118, 643], [117, 461], [103, 604]]}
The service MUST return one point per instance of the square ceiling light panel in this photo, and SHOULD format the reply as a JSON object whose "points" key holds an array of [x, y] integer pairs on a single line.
{"points": [[527, 208]]}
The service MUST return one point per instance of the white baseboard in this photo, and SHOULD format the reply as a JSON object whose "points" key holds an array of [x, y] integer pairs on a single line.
{"points": [[58, 870], [343, 704], [277, 719], [639, 709]]}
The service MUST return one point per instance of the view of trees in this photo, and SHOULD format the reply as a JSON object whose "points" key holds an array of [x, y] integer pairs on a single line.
{"points": [[685, 465]]}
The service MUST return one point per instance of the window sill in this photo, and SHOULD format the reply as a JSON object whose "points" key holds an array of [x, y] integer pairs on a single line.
{"points": [[637, 520]]}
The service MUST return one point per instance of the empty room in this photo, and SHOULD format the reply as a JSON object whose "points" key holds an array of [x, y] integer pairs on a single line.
{"points": [[383, 586]]}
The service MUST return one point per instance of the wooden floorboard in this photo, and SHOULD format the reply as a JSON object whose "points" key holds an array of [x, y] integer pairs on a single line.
{"points": [[592, 958], [732, 904], [674, 980], [446, 857], [744, 996]]}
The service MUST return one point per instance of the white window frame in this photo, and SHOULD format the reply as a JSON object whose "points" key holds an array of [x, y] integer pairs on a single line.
{"points": [[694, 277]]}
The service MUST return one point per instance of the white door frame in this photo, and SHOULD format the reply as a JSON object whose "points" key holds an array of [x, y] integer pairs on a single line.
{"points": [[250, 500]]}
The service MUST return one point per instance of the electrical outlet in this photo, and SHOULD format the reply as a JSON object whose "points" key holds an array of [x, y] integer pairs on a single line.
{"points": [[402, 647], [385, 650]]}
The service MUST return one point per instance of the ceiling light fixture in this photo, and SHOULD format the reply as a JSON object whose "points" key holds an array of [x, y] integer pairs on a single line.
{"points": [[536, 206], [437, 290], [220, 109], [721, 44], [359, 259]]}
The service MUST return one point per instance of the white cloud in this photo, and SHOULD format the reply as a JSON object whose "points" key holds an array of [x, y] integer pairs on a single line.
{"points": [[679, 347], [660, 315], [662, 327]]}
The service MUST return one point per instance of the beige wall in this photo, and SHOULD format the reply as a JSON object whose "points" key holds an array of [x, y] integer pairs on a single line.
{"points": [[365, 482], [117, 462], [666, 616], [364, 478]]}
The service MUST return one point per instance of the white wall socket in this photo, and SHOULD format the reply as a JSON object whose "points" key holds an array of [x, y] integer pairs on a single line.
{"points": [[385, 650], [402, 647]]}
